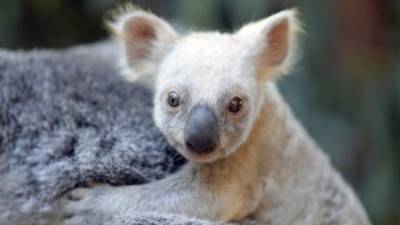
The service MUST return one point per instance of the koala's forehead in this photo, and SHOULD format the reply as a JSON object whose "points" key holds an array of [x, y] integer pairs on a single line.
{"points": [[204, 53], [208, 64]]}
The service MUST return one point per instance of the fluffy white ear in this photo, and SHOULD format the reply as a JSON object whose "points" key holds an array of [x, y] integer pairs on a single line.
{"points": [[145, 40], [271, 44]]}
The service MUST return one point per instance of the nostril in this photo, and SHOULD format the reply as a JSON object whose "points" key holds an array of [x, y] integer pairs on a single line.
{"points": [[189, 145]]}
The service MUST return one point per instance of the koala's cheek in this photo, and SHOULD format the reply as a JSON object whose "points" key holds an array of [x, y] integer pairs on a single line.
{"points": [[174, 136], [161, 119], [224, 140], [231, 140], [158, 116]]}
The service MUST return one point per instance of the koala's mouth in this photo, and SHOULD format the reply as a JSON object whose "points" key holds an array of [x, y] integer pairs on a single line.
{"points": [[200, 151], [203, 156], [194, 156]]}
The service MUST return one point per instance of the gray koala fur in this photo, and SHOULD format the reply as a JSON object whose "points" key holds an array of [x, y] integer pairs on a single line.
{"points": [[67, 119]]}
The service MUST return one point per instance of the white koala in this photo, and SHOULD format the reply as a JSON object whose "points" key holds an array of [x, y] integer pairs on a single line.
{"points": [[217, 103]]}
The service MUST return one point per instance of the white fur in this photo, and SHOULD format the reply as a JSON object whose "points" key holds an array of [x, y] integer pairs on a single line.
{"points": [[266, 168]]}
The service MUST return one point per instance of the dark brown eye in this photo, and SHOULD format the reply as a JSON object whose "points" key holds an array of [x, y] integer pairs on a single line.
{"points": [[235, 105], [173, 99]]}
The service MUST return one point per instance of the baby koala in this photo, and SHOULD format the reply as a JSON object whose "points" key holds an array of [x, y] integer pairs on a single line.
{"points": [[217, 103]]}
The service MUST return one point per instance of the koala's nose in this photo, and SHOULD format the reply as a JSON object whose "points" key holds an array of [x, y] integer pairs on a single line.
{"points": [[201, 130]]}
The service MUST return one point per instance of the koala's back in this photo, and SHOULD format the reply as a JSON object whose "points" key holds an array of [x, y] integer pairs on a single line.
{"points": [[68, 118]]}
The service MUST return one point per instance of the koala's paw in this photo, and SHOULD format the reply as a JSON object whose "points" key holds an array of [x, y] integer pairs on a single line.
{"points": [[86, 206]]}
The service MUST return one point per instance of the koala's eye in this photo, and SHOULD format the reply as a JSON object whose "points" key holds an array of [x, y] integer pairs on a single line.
{"points": [[236, 104], [173, 99]]}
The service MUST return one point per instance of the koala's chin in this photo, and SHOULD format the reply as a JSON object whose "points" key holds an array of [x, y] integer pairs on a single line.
{"points": [[202, 157], [221, 152]]}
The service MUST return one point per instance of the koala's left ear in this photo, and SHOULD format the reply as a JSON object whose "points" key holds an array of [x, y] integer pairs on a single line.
{"points": [[271, 44], [145, 40]]}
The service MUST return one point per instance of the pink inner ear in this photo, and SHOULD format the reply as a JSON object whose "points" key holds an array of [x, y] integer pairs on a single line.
{"points": [[138, 35], [277, 43]]}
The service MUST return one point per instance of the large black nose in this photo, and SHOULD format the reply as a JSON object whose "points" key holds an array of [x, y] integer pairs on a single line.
{"points": [[201, 130]]}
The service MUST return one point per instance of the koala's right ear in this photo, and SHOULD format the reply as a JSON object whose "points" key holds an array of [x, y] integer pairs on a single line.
{"points": [[145, 39]]}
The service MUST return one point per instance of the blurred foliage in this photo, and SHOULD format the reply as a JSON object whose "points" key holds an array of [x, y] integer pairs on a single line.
{"points": [[346, 89]]}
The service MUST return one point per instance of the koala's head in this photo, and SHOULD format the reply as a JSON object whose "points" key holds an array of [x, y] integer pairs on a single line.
{"points": [[209, 86]]}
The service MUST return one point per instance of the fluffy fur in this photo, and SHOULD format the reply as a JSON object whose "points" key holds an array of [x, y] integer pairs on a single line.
{"points": [[67, 119], [265, 166]]}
